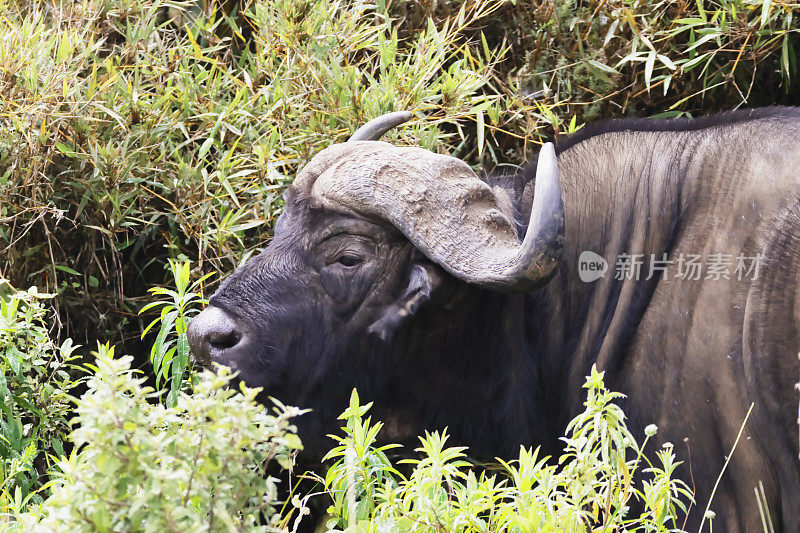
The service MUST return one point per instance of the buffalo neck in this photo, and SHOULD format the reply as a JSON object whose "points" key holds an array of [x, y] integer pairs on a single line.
{"points": [[472, 358], [622, 196]]}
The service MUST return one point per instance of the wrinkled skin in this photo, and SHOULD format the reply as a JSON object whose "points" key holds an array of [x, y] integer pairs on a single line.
{"points": [[320, 290], [323, 292], [337, 301]]}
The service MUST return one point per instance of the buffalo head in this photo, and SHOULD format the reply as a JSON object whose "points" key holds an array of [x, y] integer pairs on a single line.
{"points": [[374, 242]]}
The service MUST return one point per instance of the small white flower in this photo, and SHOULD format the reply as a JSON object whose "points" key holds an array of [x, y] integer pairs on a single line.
{"points": [[650, 430]]}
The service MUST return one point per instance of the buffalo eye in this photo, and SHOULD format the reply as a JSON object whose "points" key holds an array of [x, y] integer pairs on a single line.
{"points": [[346, 278], [349, 260]]}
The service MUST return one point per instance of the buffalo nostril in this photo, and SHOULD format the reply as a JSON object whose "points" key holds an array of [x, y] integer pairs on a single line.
{"points": [[223, 339], [212, 332]]}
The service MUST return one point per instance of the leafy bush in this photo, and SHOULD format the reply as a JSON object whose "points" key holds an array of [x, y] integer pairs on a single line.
{"points": [[35, 387], [141, 466], [170, 352], [201, 463], [135, 137], [592, 489], [602, 59]]}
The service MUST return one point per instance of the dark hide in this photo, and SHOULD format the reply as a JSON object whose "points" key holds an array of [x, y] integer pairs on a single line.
{"points": [[338, 301]]}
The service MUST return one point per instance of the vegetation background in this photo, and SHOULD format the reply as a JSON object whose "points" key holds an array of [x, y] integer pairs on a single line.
{"points": [[134, 132], [138, 136]]}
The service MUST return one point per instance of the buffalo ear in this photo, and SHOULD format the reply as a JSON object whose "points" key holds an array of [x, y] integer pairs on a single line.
{"points": [[422, 281]]}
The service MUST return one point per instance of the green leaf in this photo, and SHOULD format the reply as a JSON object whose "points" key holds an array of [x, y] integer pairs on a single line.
{"points": [[667, 62], [648, 68], [702, 40], [182, 359], [765, 9], [247, 225], [4, 392], [481, 131], [166, 363], [175, 382], [65, 149], [701, 10], [67, 270], [694, 62], [182, 277], [602, 66], [58, 447], [158, 350], [785, 57], [13, 357]]}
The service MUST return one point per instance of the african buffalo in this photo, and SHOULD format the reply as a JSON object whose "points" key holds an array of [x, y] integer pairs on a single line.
{"points": [[480, 304]]}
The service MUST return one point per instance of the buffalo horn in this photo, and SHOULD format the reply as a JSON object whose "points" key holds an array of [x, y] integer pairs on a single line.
{"points": [[544, 239], [445, 210], [375, 128]]}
